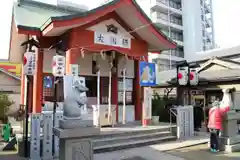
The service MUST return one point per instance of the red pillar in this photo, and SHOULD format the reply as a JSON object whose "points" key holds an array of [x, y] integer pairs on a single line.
{"points": [[38, 83], [71, 58], [137, 88]]}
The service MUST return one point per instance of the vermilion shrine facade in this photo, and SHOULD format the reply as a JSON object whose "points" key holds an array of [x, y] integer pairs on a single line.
{"points": [[120, 26]]}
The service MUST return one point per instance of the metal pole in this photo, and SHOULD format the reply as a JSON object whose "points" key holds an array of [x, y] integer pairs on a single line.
{"points": [[98, 97], [26, 119], [169, 35], [109, 97], [124, 97], [55, 106]]}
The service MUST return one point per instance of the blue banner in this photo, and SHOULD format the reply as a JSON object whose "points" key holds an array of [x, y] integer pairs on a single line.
{"points": [[48, 82], [147, 74]]}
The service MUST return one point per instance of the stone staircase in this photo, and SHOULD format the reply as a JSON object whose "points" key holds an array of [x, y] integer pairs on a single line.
{"points": [[132, 139]]}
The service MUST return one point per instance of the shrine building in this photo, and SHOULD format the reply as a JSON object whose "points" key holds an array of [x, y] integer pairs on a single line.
{"points": [[119, 29]]}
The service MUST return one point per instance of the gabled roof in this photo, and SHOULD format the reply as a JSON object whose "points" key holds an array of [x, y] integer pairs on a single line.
{"points": [[31, 15], [32, 18], [232, 72], [230, 64], [10, 74], [218, 52]]}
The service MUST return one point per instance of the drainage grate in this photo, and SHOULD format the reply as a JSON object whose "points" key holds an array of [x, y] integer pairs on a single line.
{"points": [[134, 158]]}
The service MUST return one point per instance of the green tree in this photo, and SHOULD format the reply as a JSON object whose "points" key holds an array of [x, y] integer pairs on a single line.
{"points": [[5, 103]]}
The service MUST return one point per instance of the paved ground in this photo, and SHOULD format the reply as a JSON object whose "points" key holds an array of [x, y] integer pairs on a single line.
{"points": [[165, 151], [201, 152], [143, 153]]}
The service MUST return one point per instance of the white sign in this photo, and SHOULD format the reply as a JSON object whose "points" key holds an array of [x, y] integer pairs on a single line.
{"points": [[147, 103], [112, 40], [58, 66], [74, 69], [29, 63], [128, 84]]}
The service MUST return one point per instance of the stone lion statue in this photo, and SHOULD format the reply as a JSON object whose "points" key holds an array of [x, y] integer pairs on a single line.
{"points": [[74, 101]]}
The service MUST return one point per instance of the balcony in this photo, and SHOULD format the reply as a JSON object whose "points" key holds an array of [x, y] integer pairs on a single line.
{"points": [[207, 8], [163, 23], [163, 6], [179, 42], [166, 55], [208, 23]]}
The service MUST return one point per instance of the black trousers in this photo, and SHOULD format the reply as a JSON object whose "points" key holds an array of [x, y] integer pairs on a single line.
{"points": [[214, 139]]}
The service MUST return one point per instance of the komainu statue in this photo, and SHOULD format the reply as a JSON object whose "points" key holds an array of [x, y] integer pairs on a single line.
{"points": [[74, 101]]}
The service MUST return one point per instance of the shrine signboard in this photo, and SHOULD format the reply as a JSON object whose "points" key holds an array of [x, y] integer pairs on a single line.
{"points": [[112, 40]]}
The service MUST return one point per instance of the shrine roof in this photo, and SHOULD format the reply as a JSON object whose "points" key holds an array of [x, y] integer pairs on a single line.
{"points": [[36, 16], [32, 15]]}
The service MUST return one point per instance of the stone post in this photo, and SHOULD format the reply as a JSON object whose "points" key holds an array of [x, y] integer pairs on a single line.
{"points": [[75, 143], [74, 132], [230, 137]]}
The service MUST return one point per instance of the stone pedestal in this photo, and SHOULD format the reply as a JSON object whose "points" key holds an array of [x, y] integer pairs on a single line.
{"points": [[230, 137], [75, 140]]}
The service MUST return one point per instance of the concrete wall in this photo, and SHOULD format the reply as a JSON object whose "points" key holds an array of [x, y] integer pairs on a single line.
{"points": [[192, 26], [7, 83], [16, 50]]}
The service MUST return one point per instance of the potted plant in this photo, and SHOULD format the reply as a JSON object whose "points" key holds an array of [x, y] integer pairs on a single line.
{"points": [[157, 103]]}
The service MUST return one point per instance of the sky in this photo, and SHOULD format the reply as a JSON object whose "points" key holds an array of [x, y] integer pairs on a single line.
{"points": [[226, 23]]}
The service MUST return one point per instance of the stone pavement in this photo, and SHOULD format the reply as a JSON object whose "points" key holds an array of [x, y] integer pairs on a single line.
{"points": [[190, 149], [201, 152], [143, 153]]}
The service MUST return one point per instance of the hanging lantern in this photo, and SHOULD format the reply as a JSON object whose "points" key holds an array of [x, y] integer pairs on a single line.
{"points": [[58, 66], [193, 76], [29, 63], [182, 76]]}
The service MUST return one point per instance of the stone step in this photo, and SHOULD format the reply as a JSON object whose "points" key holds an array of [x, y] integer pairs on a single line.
{"points": [[122, 139], [131, 133], [132, 144]]}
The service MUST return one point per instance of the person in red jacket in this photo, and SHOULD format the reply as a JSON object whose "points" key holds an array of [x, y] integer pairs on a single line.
{"points": [[216, 115]]}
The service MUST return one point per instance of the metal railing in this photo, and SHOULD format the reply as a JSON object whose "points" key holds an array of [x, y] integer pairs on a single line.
{"points": [[173, 112]]}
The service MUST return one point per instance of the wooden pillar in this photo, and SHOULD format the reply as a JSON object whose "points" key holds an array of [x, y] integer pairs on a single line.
{"points": [[38, 83], [137, 88]]}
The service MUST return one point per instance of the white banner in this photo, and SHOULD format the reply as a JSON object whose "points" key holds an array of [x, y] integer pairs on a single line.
{"points": [[147, 103], [29, 64]]}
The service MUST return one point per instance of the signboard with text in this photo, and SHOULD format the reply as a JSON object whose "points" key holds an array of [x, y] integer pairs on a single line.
{"points": [[112, 40]]}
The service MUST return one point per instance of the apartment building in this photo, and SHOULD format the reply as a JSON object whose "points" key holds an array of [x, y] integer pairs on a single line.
{"points": [[188, 22]]}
